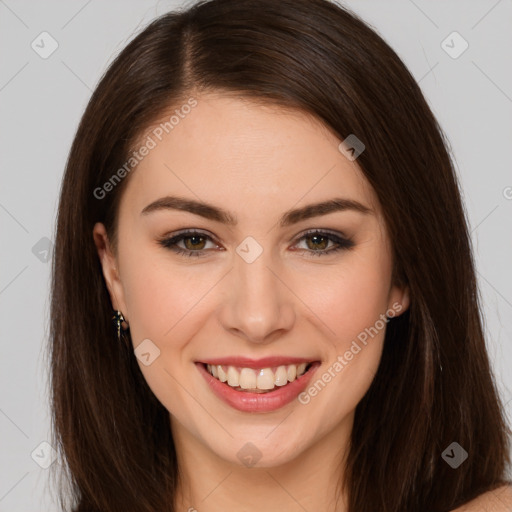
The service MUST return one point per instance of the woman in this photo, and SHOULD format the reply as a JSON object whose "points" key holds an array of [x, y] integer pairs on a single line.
{"points": [[260, 197]]}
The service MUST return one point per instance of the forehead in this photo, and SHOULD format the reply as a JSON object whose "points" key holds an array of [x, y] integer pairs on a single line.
{"points": [[245, 156]]}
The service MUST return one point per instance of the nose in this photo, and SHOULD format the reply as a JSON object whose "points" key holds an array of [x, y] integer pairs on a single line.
{"points": [[259, 305]]}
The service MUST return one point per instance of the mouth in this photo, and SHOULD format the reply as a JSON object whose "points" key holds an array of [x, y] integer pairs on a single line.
{"points": [[258, 386]]}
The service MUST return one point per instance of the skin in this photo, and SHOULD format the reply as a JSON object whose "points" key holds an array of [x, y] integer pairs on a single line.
{"points": [[498, 500], [256, 162]]}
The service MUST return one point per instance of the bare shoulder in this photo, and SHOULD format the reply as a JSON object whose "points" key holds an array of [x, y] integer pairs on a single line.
{"points": [[498, 500]]}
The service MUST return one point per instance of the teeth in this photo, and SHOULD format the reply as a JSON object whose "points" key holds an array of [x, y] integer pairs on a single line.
{"points": [[262, 379], [247, 378], [281, 377], [265, 379], [233, 377], [221, 374]]}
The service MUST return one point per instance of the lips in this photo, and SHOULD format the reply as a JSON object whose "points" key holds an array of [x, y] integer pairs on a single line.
{"points": [[261, 385]]}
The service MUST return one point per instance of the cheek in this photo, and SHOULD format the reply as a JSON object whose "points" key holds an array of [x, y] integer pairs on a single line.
{"points": [[354, 305], [352, 296], [354, 312], [163, 304], [159, 296], [362, 298]]}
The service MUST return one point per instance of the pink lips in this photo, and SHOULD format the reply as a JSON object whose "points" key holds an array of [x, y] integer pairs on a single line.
{"points": [[257, 402]]}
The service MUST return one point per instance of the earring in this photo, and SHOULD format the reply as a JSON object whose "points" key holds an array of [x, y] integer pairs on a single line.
{"points": [[118, 319]]}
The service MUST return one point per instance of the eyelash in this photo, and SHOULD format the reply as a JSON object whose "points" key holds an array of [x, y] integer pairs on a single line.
{"points": [[170, 243]]}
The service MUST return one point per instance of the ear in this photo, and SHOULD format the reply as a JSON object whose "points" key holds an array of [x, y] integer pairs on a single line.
{"points": [[399, 299], [110, 268]]}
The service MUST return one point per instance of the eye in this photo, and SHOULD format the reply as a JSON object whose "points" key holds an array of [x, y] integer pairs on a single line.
{"points": [[194, 243], [319, 241]]}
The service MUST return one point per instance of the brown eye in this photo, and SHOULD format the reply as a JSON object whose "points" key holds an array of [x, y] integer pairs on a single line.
{"points": [[317, 242], [193, 242]]}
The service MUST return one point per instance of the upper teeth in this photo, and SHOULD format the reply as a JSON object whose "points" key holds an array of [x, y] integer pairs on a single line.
{"points": [[263, 378]]}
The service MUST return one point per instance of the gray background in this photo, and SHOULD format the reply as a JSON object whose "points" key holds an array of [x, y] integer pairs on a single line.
{"points": [[41, 101]]}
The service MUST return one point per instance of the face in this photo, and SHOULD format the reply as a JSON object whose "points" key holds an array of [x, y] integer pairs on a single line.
{"points": [[223, 261]]}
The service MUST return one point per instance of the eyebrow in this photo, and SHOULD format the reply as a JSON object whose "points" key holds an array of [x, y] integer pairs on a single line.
{"points": [[290, 217]]}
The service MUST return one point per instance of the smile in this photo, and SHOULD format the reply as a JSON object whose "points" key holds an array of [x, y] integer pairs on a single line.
{"points": [[261, 386]]}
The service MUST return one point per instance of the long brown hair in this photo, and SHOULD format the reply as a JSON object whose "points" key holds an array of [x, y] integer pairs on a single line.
{"points": [[434, 385]]}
